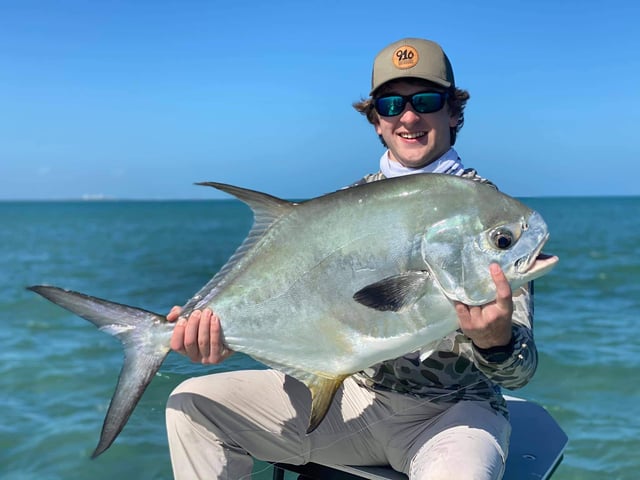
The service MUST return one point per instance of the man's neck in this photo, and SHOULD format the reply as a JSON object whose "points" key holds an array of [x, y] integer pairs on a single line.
{"points": [[449, 163]]}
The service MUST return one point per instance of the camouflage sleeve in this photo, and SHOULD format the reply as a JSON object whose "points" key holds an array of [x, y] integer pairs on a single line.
{"points": [[472, 174], [469, 173], [371, 177], [514, 366], [511, 367]]}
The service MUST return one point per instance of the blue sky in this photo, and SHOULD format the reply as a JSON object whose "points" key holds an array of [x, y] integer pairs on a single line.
{"points": [[141, 99]]}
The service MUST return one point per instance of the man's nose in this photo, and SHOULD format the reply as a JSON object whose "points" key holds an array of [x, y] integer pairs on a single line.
{"points": [[409, 115]]}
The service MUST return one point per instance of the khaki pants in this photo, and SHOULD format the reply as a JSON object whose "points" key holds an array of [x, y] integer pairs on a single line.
{"points": [[217, 423]]}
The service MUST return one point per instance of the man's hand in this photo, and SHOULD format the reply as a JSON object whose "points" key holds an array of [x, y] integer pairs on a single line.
{"points": [[199, 337], [489, 325]]}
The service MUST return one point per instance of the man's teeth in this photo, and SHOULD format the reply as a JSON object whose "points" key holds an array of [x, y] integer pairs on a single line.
{"points": [[412, 135]]}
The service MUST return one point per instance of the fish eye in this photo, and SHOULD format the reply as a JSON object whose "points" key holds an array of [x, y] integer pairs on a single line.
{"points": [[502, 238]]}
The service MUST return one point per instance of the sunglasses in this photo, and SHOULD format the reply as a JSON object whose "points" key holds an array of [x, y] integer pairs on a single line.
{"points": [[425, 102]]}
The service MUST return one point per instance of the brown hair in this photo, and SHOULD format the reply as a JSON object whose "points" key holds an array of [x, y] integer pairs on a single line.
{"points": [[456, 101]]}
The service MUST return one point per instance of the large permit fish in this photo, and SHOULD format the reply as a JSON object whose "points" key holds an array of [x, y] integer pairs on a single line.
{"points": [[327, 287]]}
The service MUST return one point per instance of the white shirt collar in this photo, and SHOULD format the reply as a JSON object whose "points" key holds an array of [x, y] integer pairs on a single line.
{"points": [[449, 163]]}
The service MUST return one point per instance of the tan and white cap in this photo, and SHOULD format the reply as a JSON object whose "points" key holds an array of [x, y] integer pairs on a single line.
{"points": [[412, 58]]}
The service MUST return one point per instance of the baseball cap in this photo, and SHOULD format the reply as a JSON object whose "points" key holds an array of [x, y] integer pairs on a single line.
{"points": [[412, 58]]}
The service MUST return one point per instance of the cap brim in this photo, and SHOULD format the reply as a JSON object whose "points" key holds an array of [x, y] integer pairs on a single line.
{"points": [[436, 81]]}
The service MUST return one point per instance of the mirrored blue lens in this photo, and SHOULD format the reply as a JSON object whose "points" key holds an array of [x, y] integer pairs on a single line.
{"points": [[426, 102], [390, 106]]}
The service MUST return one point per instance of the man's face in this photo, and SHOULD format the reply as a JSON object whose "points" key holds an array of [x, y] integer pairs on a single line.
{"points": [[414, 139]]}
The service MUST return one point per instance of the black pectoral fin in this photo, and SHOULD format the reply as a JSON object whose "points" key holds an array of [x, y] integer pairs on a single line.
{"points": [[395, 293]]}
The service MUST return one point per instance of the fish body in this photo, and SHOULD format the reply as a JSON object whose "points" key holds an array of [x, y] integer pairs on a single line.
{"points": [[327, 287]]}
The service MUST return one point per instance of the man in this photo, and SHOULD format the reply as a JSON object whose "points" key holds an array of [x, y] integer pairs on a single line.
{"points": [[439, 417]]}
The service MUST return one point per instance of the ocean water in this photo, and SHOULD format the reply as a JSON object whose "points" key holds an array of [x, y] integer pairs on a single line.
{"points": [[57, 373]]}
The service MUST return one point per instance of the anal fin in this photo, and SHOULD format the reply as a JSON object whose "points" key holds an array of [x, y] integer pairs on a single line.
{"points": [[323, 389]]}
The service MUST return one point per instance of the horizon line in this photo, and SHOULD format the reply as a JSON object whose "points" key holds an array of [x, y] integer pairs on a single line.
{"points": [[107, 199]]}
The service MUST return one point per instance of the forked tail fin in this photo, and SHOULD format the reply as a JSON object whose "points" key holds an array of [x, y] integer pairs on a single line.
{"points": [[145, 336]]}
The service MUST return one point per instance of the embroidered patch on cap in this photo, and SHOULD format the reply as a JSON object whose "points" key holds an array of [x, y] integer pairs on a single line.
{"points": [[405, 57]]}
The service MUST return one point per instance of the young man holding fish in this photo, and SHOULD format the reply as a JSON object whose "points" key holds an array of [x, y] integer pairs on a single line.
{"points": [[434, 414]]}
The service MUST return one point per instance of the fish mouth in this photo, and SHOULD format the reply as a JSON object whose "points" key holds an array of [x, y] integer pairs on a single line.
{"points": [[537, 263]]}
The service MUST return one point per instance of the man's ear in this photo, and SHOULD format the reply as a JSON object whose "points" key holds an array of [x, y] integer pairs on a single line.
{"points": [[453, 120]]}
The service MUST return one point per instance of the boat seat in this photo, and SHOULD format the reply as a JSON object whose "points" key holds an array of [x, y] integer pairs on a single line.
{"points": [[536, 449]]}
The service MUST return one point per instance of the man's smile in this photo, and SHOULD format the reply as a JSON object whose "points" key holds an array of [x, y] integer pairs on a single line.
{"points": [[411, 136]]}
